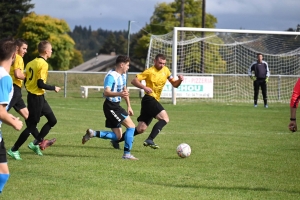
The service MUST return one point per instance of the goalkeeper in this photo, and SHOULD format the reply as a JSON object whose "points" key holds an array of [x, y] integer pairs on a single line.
{"points": [[294, 105], [259, 73]]}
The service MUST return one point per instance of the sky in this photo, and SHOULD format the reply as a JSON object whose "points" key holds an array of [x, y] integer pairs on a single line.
{"points": [[269, 15]]}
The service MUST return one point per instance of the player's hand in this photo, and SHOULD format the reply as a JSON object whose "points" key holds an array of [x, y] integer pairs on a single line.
{"points": [[267, 79], [180, 77], [293, 126], [18, 124], [130, 111], [253, 78], [124, 94], [57, 89], [148, 90]]}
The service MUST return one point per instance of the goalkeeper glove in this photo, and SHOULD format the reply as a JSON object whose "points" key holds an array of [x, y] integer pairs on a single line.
{"points": [[253, 78], [267, 79]]}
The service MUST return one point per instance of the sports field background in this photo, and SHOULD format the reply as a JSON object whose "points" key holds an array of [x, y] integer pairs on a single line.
{"points": [[238, 152]]}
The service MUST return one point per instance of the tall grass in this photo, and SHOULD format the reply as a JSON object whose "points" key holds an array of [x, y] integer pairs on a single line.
{"points": [[238, 152]]}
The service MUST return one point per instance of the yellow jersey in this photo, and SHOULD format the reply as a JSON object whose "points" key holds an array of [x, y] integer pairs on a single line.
{"points": [[35, 70], [18, 64], [155, 79]]}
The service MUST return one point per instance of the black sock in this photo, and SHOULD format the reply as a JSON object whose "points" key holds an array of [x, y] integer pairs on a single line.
{"points": [[22, 138], [156, 129], [44, 131], [123, 135]]}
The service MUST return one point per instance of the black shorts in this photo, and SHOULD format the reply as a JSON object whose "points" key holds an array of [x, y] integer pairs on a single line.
{"points": [[37, 107], [3, 158], [114, 114], [150, 108], [17, 102]]}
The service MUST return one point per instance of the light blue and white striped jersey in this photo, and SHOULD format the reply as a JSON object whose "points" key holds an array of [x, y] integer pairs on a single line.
{"points": [[6, 90], [116, 82]]}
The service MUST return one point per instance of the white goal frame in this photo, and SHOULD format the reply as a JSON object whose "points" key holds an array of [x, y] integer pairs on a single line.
{"points": [[175, 43]]}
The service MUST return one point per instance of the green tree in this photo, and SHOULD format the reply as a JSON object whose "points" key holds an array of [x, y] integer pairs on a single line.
{"points": [[11, 14], [165, 17], [99, 41], [109, 44], [35, 28], [121, 45], [76, 60]]}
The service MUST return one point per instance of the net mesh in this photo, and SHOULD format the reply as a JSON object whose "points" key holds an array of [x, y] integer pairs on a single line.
{"points": [[228, 56]]}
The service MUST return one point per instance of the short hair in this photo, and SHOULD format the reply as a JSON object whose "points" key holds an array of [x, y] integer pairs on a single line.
{"points": [[7, 48], [258, 54], [122, 59], [20, 42], [161, 56], [43, 45]]}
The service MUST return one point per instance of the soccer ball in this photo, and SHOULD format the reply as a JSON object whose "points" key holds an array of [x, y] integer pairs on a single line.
{"points": [[184, 150]]}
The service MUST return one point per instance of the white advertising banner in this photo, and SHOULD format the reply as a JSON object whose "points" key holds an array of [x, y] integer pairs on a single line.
{"points": [[191, 87]]}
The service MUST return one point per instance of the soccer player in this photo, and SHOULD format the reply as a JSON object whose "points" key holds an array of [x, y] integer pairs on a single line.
{"points": [[260, 77], [35, 83], [7, 55], [293, 106], [16, 72], [114, 91], [155, 78]]}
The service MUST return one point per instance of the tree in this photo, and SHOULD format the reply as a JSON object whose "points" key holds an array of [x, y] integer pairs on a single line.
{"points": [[165, 17], [76, 60], [35, 28], [115, 42], [109, 45], [100, 41], [11, 14]]}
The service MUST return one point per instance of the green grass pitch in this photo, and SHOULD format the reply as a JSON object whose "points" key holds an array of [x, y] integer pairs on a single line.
{"points": [[238, 152]]}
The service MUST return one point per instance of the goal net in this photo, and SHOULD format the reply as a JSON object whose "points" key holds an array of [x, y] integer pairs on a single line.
{"points": [[226, 55]]}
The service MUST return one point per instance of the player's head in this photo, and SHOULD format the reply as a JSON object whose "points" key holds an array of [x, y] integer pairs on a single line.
{"points": [[21, 47], [45, 49], [7, 50], [122, 62], [160, 61], [259, 57]]}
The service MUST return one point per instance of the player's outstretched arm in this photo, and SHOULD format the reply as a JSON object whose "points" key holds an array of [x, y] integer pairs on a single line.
{"points": [[137, 83], [176, 83], [109, 93]]}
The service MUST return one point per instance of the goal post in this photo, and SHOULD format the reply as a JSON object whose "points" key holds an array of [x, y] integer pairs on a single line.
{"points": [[226, 55]]}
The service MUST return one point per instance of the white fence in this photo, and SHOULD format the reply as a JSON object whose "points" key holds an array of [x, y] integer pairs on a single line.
{"points": [[226, 87]]}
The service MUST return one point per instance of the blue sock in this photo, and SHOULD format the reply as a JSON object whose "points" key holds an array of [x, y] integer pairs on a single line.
{"points": [[3, 180], [128, 138], [106, 135]]}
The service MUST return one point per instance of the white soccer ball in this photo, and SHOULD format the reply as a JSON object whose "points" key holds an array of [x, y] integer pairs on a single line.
{"points": [[184, 150]]}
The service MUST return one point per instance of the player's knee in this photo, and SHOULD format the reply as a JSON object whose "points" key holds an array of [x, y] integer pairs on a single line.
{"points": [[131, 125], [141, 129], [166, 120], [119, 137]]}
